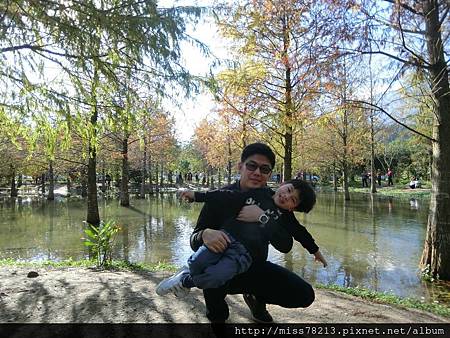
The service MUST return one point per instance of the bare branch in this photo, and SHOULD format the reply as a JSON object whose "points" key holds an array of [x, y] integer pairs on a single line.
{"points": [[408, 62], [71, 161], [364, 103], [42, 49], [444, 16], [406, 47], [405, 6]]}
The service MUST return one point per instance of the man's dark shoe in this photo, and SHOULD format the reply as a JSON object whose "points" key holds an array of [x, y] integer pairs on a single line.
{"points": [[258, 309]]}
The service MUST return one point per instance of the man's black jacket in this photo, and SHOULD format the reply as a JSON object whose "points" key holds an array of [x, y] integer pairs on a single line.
{"points": [[214, 216]]}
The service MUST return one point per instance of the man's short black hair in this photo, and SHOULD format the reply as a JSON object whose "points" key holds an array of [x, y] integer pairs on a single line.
{"points": [[258, 149], [307, 195]]}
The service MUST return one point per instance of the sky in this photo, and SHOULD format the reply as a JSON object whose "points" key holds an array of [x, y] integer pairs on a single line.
{"points": [[194, 109]]}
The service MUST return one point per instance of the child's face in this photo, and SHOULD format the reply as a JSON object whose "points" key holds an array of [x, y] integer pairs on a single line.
{"points": [[286, 197]]}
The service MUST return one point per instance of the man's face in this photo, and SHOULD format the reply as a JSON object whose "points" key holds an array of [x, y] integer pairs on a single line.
{"points": [[254, 172]]}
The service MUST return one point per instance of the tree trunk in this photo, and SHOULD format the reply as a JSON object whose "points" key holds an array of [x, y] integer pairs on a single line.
{"points": [[51, 181], [84, 185], [69, 185], [43, 184], [373, 177], [144, 170], [161, 182], [124, 193], [103, 188], [288, 108], [335, 180], [150, 176], [93, 216], [156, 168], [14, 192], [287, 155], [436, 253], [244, 130], [373, 187], [210, 180], [229, 164], [345, 181], [344, 158]]}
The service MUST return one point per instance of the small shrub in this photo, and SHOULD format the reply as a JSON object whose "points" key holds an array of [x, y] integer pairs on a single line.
{"points": [[100, 240], [427, 275]]}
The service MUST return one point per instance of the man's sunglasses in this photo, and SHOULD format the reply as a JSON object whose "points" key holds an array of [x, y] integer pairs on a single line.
{"points": [[263, 169]]}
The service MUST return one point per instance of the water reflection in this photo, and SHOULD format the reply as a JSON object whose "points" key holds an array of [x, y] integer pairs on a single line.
{"points": [[373, 242]]}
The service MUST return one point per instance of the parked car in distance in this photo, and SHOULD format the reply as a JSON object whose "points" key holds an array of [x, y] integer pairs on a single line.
{"points": [[313, 178]]}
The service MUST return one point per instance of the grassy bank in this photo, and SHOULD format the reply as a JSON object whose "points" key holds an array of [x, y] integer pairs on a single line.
{"points": [[85, 263], [395, 191], [389, 298], [378, 297]]}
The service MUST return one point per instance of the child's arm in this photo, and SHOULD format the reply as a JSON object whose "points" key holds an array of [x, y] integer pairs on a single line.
{"points": [[188, 195], [302, 235], [299, 232], [226, 198], [319, 258]]}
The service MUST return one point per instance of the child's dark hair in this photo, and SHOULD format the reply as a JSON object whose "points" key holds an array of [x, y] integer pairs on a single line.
{"points": [[307, 195], [260, 149]]}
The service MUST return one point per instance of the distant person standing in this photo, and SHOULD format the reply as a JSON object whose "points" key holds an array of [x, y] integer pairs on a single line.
{"points": [[379, 177], [390, 175], [364, 178]]}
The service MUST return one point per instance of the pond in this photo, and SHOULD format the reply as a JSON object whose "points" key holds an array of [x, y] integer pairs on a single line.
{"points": [[374, 243]]}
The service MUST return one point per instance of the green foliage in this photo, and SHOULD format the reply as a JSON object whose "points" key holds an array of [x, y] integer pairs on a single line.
{"points": [[190, 159], [100, 241], [427, 274]]}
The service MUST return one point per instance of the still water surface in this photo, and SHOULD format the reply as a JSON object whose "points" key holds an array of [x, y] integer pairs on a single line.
{"points": [[369, 242]]}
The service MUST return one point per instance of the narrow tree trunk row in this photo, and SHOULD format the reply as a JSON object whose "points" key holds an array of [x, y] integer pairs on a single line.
{"points": [[124, 193]]}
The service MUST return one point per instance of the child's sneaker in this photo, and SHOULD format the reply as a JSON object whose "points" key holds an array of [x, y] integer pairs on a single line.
{"points": [[174, 284]]}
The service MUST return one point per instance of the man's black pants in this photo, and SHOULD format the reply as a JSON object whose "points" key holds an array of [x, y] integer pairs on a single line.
{"points": [[270, 283]]}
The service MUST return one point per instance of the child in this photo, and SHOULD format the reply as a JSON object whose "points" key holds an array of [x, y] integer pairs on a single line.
{"points": [[249, 241]]}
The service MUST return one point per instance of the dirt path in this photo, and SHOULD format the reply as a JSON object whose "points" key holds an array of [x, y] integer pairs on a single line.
{"points": [[67, 295]]}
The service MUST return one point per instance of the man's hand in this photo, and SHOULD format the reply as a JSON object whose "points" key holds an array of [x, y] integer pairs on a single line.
{"points": [[215, 240], [187, 195], [319, 258], [250, 213]]}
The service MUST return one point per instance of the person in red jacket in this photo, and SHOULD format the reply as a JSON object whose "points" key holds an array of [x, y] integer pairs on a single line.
{"points": [[390, 175]]}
